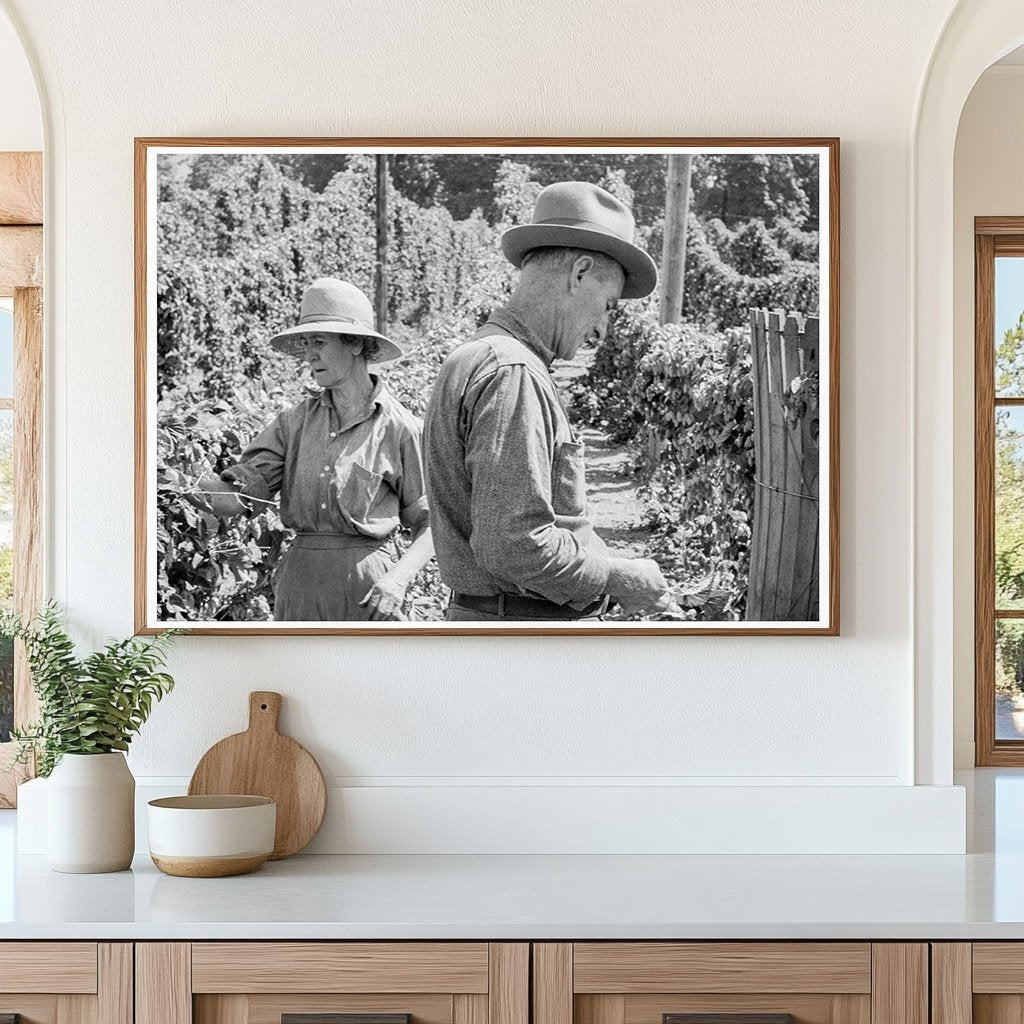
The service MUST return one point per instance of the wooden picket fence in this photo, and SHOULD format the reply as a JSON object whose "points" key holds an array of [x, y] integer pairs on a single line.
{"points": [[783, 583]]}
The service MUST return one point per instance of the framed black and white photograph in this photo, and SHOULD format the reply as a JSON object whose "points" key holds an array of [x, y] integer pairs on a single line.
{"points": [[499, 386]]}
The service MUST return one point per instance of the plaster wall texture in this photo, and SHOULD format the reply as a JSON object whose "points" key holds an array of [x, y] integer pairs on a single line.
{"points": [[987, 182], [21, 127], [493, 711]]}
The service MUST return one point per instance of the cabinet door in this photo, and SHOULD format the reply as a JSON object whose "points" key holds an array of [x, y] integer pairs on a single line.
{"points": [[332, 983], [66, 982], [981, 982], [730, 983]]}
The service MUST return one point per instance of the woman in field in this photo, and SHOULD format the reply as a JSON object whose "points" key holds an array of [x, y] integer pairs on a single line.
{"points": [[347, 465]]}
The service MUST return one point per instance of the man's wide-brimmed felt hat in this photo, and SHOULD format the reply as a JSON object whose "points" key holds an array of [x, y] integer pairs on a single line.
{"points": [[579, 215], [340, 308]]}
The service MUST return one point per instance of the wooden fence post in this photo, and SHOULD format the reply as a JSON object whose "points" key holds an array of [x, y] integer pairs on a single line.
{"points": [[784, 545]]}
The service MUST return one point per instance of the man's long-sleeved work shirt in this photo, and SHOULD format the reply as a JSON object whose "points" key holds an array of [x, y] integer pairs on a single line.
{"points": [[505, 476]]}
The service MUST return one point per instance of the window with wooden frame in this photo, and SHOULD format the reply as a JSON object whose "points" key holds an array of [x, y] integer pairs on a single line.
{"points": [[999, 490], [21, 364]]}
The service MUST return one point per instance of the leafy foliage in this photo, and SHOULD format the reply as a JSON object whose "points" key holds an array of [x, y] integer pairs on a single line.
{"points": [[1009, 507], [800, 244], [237, 254], [759, 186], [683, 397], [6, 570], [208, 567], [737, 187], [89, 705], [1009, 512], [695, 395], [1010, 360], [721, 294], [606, 397]]}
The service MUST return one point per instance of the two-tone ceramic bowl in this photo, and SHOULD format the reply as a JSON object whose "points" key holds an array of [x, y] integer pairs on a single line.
{"points": [[211, 836]]}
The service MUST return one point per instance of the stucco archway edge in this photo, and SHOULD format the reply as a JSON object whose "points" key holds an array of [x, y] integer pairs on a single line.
{"points": [[976, 33]]}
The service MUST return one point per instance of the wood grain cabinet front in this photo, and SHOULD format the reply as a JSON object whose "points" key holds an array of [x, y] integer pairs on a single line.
{"points": [[730, 983], [66, 982], [332, 983], [978, 982]]}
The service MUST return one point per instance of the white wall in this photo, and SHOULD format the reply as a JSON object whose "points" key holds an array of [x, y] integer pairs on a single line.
{"points": [[431, 715], [21, 127], [987, 182]]}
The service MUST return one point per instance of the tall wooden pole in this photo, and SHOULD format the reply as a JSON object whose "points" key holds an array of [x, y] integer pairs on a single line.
{"points": [[380, 304], [673, 253]]}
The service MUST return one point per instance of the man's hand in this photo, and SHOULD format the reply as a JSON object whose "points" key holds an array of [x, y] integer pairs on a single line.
{"points": [[386, 597], [639, 586]]}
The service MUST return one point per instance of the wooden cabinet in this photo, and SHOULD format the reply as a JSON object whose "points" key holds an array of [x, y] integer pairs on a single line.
{"points": [[653, 982], [979, 982], [512, 982], [66, 982], [264, 982]]}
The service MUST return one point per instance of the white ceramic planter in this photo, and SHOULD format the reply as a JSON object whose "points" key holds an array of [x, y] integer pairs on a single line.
{"points": [[90, 814]]}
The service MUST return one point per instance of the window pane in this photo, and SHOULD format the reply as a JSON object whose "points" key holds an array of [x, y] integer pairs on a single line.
{"points": [[6, 567], [1009, 679], [1009, 338], [6, 349], [1009, 524]]}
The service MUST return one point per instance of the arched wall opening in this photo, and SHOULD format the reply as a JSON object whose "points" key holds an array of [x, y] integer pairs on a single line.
{"points": [[989, 153], [976, 35]]}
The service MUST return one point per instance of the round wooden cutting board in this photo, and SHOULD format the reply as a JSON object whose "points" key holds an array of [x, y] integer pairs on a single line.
{"points": [[262, 762]]}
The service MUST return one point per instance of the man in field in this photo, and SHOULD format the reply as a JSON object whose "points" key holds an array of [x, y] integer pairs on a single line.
{"points": [[505, 475]]}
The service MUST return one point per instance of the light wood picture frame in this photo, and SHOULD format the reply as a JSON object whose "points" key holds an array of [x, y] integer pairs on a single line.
{"points": [[730, 480]]}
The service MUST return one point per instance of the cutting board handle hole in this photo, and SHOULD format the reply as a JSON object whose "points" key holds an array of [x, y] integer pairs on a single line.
{"points": [[263, 707]]}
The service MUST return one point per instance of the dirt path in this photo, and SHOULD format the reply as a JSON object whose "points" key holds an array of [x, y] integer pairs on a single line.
{"points": [[611, 490], [611, 494]]}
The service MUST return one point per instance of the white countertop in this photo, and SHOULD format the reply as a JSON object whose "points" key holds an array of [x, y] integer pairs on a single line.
{"points": [[517, 897], [976, 896]]}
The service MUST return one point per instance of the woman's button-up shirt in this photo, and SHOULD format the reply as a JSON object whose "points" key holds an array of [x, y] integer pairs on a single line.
{"points": [[363, 476]]}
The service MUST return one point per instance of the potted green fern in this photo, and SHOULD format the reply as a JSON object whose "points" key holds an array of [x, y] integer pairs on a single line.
{"points": [[89, 709]]}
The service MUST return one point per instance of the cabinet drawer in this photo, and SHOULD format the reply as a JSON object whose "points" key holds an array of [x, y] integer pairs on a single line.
{"points": [[734, 982], [998, 967], [332, 983], [633, 967], [66, 967], [340, 967]]}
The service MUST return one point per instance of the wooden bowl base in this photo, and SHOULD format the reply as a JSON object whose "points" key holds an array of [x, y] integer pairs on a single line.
{"points": [[209, 867]]}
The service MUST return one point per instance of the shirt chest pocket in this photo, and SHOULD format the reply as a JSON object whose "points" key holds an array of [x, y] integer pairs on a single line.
{"points": [[568, 480], [358, 489]]}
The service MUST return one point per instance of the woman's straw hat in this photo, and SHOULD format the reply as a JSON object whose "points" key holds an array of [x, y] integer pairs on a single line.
{"points": [[579, 215], [341, 308]]}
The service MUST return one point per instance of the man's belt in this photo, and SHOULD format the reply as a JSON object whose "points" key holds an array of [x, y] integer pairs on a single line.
{"points": [[515, 606]]}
